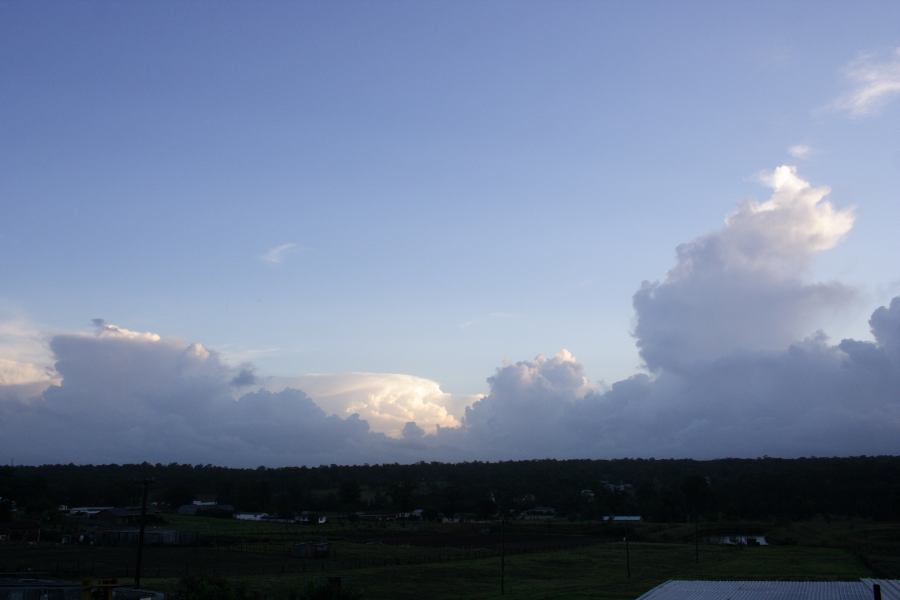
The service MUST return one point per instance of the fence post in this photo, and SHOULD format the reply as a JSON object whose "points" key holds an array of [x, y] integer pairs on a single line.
{"points": [[627, 559]]}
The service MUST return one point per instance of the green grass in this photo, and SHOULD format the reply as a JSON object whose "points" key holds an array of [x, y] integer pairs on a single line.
{"points": [[591, 572], [443, 561]]}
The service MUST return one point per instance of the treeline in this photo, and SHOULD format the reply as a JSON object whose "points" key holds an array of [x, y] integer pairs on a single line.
{"points": [[659, 490]]}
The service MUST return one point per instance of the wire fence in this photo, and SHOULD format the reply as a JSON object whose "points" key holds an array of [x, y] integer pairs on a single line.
{"points": [[229, 557]]}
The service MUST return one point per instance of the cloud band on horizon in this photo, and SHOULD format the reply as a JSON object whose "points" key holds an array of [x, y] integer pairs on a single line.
{"points": [[737, 368]]}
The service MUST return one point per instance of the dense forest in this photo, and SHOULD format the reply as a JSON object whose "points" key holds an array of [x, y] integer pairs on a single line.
{"points": [[658, 490]]}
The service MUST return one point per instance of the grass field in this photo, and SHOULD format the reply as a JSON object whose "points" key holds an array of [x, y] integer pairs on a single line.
{"points": [[560, 559], [589, 572]]}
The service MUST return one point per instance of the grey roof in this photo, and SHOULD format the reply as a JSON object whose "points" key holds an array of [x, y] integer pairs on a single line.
{"points": [[890, 588], [773, 590]]}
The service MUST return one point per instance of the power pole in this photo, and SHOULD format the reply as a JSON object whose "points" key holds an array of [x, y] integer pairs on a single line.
{"points": [[502, 543], [140, 551], [627, 555], [696, 539], [502, 554]]}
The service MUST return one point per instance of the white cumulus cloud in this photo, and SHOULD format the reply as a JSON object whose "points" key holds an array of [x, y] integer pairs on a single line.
{"points": [[387, 401], [742, 287], [733, 372], [108, 330], [127, 396], [25, 359], [737, 367], [810, 398]]}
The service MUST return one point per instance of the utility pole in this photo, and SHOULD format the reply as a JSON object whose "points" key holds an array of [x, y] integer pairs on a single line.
{"points": [[696, 539], [502, 544], [140, 551], [627, 555], [502, 553]]}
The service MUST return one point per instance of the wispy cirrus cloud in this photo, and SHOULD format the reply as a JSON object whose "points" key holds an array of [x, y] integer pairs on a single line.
{"points": [[277, 254], [800, 151], [875, 82], [490, 316]]}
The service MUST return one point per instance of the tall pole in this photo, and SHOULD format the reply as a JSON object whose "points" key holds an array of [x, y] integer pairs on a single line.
{"points": [[627, 555], [140, 551], [696, 539], [502, 554]]}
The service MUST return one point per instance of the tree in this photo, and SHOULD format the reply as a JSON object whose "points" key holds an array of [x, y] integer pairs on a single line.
{"points": [[349, 492], [697, 494]]}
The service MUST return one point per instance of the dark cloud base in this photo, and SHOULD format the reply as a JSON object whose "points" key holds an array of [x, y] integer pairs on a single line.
{"points": [[134, 400]]}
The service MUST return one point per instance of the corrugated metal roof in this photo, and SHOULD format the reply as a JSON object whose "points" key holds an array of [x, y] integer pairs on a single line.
{"points": [[772, 590], [890, 588]]}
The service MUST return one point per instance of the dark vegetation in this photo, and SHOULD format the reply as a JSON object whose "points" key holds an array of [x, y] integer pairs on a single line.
{"points": [[826, 518], [659, 490]]}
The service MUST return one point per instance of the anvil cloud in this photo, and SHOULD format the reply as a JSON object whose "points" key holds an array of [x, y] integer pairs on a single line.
{"points": [[735, 366]]}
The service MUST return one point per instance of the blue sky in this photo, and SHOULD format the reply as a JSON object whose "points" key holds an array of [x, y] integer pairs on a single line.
{"points": [[454, 184]]}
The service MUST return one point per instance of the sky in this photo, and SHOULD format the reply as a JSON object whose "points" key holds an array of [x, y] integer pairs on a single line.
{"points": [[305, 233]]}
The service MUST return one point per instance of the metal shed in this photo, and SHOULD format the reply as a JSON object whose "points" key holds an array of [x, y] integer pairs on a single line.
{"points": [[772, 590]]}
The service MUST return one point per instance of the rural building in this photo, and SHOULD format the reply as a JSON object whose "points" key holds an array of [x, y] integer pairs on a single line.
{"points": [[247, 516], [737, 540], [48, 589], [377, 516], [617, 487], [87, 511], [526, 500], [38, 588], [774, 590], [311, 518], [152, 537], [318, 549], [538, 513], [126, 516], [20, 532], [206, 509], [416, 515]]}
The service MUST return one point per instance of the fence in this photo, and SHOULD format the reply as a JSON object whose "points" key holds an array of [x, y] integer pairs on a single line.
{"points": [[214, 556]]}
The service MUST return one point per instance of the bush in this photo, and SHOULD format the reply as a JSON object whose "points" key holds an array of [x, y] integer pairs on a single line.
{"points": [[328, 590], [211, 588]]}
